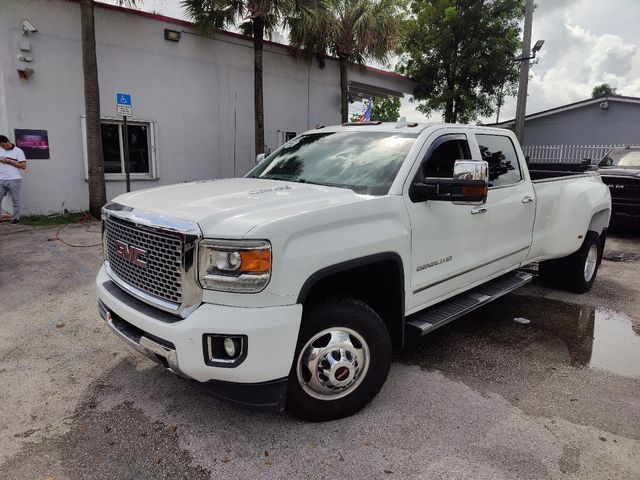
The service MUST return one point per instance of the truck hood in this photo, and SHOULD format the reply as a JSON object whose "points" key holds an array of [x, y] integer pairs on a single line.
{"points": [[230, 208], [620, 172]]}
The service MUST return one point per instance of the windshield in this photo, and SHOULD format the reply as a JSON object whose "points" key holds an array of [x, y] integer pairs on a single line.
{"points": [[623, 157], [366, 162]]}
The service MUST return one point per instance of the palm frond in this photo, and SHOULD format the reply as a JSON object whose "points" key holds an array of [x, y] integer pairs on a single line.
{"points": [[355, 29], [210, 16]]}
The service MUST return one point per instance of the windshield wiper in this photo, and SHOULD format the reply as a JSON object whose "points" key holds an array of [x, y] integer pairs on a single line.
{"points": [[327, 184], [286, 178]]}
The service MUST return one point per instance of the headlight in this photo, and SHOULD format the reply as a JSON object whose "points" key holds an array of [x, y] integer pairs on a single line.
{"points": [[239, 266]]}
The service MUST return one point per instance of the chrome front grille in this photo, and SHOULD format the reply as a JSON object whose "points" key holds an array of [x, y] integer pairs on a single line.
{"points": [[153, 257], [160, 272]]}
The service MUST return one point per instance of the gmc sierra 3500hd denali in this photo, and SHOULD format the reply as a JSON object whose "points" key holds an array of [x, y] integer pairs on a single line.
{"points": [[290, 287]]}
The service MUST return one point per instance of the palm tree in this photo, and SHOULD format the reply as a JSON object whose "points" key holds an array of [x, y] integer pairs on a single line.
{"points": [[256, 18], [97, 191], [352, 30]]}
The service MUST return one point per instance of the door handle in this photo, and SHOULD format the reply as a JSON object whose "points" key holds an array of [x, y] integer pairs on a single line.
{"points": [[527, 199], [478, 210]]}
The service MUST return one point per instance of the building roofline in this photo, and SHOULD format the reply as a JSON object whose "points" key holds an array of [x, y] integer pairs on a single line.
{"points": [[572, 106], [186, 23]]}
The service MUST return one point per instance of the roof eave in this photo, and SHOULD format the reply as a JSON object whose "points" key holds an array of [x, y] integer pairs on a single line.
{"points": [[571, 106]]}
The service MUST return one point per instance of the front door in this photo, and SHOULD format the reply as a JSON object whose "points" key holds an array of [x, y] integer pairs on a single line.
{"points": [[447, 240]]}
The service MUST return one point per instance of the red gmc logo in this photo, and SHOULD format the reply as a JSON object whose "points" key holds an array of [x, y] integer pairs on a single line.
{"points": [[131, 253]]}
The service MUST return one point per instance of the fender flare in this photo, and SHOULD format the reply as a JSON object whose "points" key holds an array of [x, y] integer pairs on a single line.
{"points": [[396, 325], [349, 265]]}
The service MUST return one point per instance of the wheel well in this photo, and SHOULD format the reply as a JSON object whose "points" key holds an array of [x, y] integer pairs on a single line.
{"points": [[378, 281], [599, 221]]}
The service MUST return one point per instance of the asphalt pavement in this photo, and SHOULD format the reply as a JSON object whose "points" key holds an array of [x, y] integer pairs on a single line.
{"points": [[540, 384]]}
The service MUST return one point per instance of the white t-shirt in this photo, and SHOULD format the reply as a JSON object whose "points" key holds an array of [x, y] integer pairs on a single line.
{"points": [[9, 172]]}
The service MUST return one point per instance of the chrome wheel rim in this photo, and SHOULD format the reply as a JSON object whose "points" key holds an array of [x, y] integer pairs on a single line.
{"points": [[333, 363], [590, 263]]}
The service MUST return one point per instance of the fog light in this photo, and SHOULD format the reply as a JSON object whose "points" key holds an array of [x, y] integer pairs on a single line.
{"points": [[224, 350], [230, 347]]}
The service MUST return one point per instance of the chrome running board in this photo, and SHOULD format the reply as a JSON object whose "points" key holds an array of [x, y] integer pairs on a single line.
{"points": [[442, 313]]}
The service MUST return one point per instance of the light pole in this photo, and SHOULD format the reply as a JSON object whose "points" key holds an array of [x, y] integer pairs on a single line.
{"points": [[527, 54]]}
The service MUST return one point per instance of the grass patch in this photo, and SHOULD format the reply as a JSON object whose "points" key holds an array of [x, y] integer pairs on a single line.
{"points": [[54, 219]]}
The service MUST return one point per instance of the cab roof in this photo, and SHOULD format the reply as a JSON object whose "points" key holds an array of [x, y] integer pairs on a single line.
{"points": [[390, 127]]}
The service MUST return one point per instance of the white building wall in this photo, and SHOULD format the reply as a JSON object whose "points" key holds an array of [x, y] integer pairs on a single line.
{"points": [[199, 91]]}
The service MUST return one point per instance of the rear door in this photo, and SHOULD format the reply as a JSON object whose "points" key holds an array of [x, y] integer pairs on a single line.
{"points": [[447, 240], [510, 204]]}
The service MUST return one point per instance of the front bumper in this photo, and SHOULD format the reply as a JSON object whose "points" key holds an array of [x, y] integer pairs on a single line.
{"points": [[259, 380]]}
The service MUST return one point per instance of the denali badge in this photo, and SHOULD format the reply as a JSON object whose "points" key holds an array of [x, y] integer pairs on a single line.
{"points": [[616, 186], [433, 264], [131, 253]]}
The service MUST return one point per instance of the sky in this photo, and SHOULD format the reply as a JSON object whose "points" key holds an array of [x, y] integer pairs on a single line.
{"points": [[587, 42]]}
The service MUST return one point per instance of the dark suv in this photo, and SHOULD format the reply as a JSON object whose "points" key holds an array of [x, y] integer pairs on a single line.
{"points": [[620, 170]]}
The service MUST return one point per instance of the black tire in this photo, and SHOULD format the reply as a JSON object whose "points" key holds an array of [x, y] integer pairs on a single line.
{"points": [[571, 271], [549, 273], [341, 315]]}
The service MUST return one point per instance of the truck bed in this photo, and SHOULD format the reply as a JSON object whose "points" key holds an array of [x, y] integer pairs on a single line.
{"points": [[556, 223], [540, 171]]}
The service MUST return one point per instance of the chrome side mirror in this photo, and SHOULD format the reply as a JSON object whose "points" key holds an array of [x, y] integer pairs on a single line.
{"points": [[471, 170], [477, 174], [259, 158], [468, 186]]}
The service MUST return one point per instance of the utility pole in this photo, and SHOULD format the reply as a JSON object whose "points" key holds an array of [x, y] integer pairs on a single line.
{"points": [[521, 106], [499, 103]]}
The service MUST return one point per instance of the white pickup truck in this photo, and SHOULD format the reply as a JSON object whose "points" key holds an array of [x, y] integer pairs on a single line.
{"points": [[288, 288]]}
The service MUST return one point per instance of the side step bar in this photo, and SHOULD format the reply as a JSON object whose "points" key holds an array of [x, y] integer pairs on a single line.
{"points": [[442, 313]]}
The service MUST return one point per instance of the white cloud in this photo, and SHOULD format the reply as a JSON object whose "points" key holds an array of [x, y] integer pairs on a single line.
{"points": [[608, 53], [587, 60], [545, 8], [574, 59], [408, 109]]}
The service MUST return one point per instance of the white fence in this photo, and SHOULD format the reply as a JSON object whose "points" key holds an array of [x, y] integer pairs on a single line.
{"points": [[566, 153]]}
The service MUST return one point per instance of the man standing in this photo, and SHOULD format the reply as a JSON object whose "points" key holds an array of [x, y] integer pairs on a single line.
{"points": [[12, 160]]}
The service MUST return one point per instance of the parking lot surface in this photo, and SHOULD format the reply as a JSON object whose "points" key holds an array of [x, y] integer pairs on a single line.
{"points": [[540, 384]]}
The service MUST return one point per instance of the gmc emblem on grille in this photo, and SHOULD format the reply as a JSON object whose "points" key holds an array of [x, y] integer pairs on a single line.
{"points": [[131, 253]]}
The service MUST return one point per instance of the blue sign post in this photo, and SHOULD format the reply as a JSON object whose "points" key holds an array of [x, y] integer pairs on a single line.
{"points": [[125, 109]]}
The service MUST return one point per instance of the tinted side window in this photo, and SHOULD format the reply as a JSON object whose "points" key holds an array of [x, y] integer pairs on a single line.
{"points": [[440, 161], [500, 153]]}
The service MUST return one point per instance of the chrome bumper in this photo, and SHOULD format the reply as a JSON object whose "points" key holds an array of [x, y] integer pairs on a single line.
{"points": [[267, 396], [160, 353]]}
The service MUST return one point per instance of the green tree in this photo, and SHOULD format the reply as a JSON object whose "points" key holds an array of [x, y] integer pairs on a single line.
{"points": [[352, 30], [256, 18], [95, 163], [603, 90], [462, 55], [383, 110], [386, 109]]}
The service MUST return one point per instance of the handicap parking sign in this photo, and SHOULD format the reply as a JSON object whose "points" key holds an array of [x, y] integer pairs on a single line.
{"points": [[123, 104], [123, 99]]}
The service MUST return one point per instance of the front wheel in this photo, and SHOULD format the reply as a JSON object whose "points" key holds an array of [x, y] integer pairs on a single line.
{"points": [[342, 360]]}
